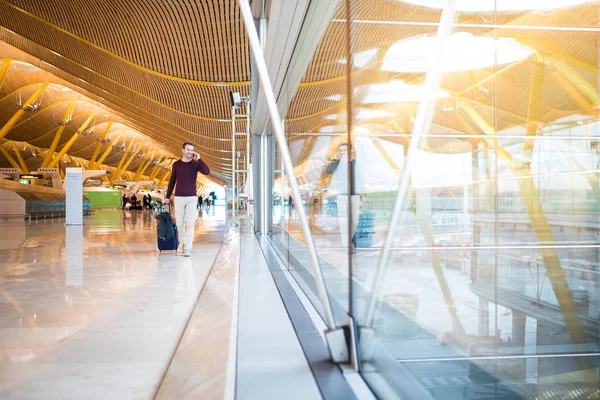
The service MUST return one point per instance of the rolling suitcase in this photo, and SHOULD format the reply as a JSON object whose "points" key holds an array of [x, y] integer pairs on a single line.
{"points": [[171, 243], [365, 229]]}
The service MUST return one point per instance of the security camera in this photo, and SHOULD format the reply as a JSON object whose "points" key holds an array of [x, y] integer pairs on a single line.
{"points": [[235, 99]]}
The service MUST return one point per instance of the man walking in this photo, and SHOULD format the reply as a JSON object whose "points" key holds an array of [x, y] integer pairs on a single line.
{"points": [[184, 173]]}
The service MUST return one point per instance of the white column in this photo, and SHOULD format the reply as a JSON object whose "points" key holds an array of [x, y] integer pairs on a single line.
{"points": [[74, 196]]}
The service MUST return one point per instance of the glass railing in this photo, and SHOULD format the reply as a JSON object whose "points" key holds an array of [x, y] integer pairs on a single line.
{"points": [[491, 282]]}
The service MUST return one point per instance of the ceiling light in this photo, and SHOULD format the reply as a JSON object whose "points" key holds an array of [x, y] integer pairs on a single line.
{"points": [[335, 97], [462, 52], [17, 62], [491, 5], [360, 60]]}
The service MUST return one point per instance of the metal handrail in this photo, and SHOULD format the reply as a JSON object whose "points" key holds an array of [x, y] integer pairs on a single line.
{"points": [[265, 82]]}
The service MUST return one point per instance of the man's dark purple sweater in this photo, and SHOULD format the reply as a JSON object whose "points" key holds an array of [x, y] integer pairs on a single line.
{"points": [[185, 173]]}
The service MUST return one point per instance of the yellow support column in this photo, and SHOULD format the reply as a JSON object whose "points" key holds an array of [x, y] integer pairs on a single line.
{"points": [[120, 165], [156, 169], [435, 259], [4, 68], [9, 158], [21, 161], [575, 95], [580, 83], [107, 152], [68, 145], [161, 181], [145, 168], [543, 234], [13, 120], [131, 157], [142, 167], [139, 169], [99, 145], [57, 136], [537, 80], [153, 172]]}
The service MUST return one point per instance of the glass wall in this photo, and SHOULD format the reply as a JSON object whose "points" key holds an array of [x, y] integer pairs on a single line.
{"points": [[449, 161]]}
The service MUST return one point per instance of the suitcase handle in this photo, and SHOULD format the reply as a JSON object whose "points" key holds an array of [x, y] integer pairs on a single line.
{"points": [[167, 205]]}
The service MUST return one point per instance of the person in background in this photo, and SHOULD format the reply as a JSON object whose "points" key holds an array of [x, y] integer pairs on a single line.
{"points": [[124, 198], [184, 174], [200, 201], [149, 202], [339, 166]]}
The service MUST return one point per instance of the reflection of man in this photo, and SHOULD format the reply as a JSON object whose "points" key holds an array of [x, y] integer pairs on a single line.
{"points": [[185, 172], [339, 168]]}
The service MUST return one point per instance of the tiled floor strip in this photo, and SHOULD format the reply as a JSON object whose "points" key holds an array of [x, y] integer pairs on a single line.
{"points": [[201, 367]]}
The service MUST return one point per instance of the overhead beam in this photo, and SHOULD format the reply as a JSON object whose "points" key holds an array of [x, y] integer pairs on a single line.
{"points": [[162, 180], [58, 135], [13, 120], [9, 157], [156, 168], [537, 80], [19, 157], [123, 167], [543, 233], [99, 145], [122, 161], [107, 151], [142, 167], [4, 69], [71, 141]]}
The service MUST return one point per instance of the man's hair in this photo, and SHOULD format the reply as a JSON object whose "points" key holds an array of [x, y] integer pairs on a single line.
{"points": [[187, 143]]}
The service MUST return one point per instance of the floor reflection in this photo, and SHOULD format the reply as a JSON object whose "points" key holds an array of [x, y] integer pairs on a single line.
{"points": [[503, 298], [80, 305]]}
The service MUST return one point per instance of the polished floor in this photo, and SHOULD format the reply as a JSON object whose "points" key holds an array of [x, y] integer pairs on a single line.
{"points": [[96, 311]]}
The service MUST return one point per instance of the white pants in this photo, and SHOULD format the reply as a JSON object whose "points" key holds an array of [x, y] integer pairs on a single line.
{"points": [[342, 209], [185, 210]]}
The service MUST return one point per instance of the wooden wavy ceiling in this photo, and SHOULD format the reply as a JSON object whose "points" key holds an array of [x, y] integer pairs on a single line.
{"points": [[569, 85], [165, 67]]}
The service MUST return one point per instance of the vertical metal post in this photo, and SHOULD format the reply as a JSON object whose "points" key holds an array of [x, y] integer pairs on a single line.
{"points": [[265, 82], [233, 164], [248, 152], [421, 127], [281, 200], [263, 183]]}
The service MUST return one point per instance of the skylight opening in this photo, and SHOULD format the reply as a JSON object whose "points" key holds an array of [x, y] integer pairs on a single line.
{"points": [[398, 91], [362, 59], [502, 5], [462, 52]]}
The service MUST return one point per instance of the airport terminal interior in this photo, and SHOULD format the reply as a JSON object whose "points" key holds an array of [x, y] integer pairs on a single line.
{"points": [[403, 199]]}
